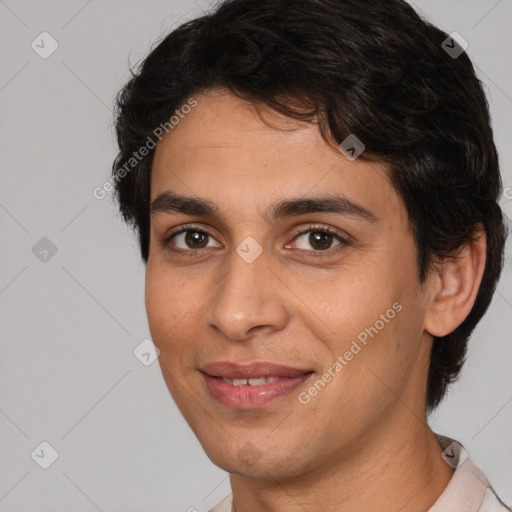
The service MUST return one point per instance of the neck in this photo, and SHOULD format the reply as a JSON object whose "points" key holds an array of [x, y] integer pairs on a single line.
{"points": [[395, 467]]}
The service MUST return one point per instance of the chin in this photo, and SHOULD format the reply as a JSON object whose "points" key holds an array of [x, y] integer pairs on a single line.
{"points": [[244, 458]]}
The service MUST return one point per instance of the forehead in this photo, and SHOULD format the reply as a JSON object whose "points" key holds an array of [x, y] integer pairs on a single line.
{"points": [[223, 150]]}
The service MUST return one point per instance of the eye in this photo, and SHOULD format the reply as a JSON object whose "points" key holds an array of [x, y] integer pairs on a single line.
{"points": [[190, 239], [318, 238]]}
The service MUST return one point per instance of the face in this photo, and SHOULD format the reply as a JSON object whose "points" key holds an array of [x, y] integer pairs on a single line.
{"points": [[268, 246]]}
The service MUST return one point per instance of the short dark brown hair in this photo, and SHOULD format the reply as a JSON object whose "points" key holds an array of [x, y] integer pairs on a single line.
{"points": [[374, 69]]}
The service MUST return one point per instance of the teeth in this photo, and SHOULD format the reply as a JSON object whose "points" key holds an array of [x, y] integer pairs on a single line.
{"points": [[258, 381]]}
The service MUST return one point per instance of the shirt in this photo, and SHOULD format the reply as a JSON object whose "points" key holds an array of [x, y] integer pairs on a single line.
{"points": [[467, 491]]}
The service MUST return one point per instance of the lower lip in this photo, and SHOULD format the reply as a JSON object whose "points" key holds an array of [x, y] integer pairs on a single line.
{"points": [[251, 397]]}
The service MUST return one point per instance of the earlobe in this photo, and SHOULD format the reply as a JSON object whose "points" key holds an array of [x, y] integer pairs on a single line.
{"points": [[455, 286]]}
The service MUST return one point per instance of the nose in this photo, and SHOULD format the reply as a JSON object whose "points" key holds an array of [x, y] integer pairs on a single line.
{"points": [[248, 301]]}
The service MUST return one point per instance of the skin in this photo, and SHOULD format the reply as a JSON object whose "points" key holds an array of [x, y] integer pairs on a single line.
{"points": [[351, 445]]}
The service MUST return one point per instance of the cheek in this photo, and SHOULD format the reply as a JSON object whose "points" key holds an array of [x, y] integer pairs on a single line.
{"points": [[351, 301], [158, 301], [375, 323], [373, 374], [167, 300], [174, 303]]}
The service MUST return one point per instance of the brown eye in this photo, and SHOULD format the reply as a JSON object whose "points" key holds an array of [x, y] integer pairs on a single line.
{"points": [[317, 240], [196, 239], [320, 240], [190, 239]]}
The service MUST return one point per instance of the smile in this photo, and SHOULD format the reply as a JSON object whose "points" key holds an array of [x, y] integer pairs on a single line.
{"points": [[251, 393], [258, 381]]}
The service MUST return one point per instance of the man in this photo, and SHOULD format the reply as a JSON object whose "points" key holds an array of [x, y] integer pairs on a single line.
{"points": [[320, 225]]}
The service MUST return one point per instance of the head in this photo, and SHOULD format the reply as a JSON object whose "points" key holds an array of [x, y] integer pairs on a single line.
{"points": [[242, 113]]}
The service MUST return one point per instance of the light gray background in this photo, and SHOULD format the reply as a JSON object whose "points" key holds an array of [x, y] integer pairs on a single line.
{"points": [[70, 325]]}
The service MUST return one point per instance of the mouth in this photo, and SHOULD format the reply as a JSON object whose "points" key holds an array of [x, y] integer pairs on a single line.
{"points": [[252, 385], [254, 381], [257, 370]]}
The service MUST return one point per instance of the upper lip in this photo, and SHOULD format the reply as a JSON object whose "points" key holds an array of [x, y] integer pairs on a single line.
{"points": [[231, 370]]}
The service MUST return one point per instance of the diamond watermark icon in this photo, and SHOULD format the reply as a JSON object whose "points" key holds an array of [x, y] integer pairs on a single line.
{"points": [[249, 249], [455, 45], [44, 250], [249, 454], [44, 455], [44, 45], [146, 352], [352, 147], [454, 455]]}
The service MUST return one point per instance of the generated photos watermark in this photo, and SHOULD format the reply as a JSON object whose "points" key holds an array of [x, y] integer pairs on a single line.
{"points": [[304, 397], [137, 156]]}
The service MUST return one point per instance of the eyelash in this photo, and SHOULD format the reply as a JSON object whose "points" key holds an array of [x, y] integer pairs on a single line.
{"points": [[315, 228]]}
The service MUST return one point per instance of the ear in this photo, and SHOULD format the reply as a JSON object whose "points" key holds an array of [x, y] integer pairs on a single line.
{"points": [[455, 285]]}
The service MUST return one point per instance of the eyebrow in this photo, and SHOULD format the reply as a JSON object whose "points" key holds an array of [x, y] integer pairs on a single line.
{"points": [[170, 202]]}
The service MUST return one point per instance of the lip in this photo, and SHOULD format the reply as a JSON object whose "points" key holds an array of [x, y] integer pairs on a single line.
{"points": [[247, 396], [252, 370]]}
